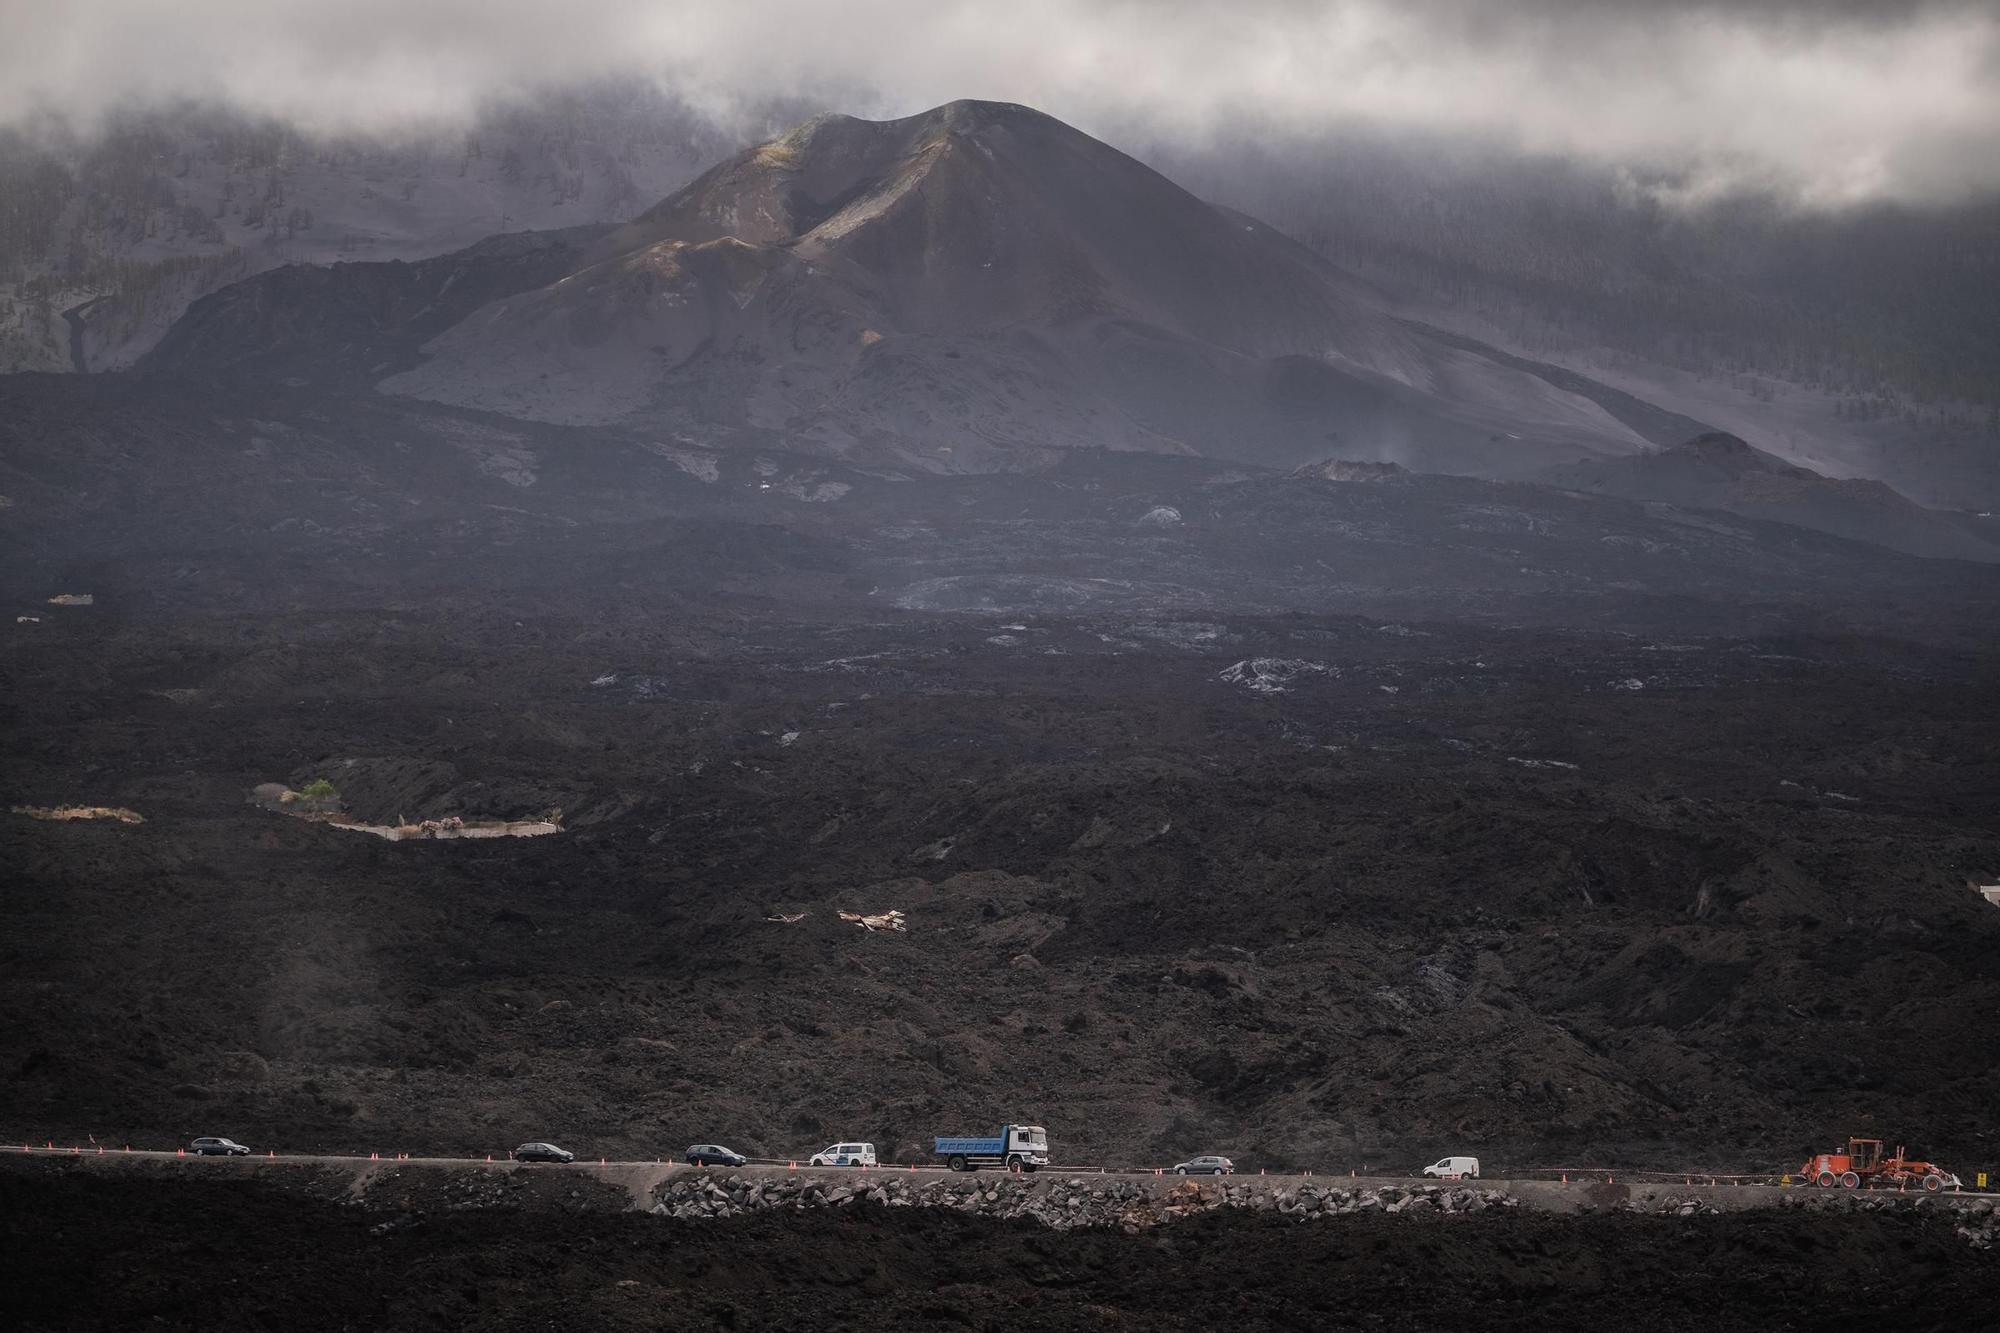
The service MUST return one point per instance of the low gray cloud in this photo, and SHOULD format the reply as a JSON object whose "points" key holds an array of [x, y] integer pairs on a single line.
{"points": [[1833, 100]]}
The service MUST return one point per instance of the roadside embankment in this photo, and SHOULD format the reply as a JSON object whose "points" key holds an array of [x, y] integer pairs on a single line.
{"points": [[1058, 1200], [1067, 1201], [247, 1244]]}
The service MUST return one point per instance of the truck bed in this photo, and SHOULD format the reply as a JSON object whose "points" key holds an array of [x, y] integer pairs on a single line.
{"points": [[971, 1147]]}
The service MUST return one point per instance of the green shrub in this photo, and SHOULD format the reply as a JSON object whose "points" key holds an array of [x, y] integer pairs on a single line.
{"points": [[319, 789]]}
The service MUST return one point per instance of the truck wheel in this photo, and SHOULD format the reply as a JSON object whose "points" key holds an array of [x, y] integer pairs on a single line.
{"points": [[1932, 1184], [1850, 1181], [957, 1163], [1013, 1161], [1826, 1179]]}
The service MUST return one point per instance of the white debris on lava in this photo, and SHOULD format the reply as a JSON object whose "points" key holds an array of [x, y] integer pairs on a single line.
{"points": [[1271, 675], [451, 827], [1160, 516], [1539, 763], [1182, 633], [812, 491], [872, 921], [701, 466]]}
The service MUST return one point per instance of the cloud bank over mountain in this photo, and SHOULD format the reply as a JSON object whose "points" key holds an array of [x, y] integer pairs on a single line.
{"points": [[1835, 102]]}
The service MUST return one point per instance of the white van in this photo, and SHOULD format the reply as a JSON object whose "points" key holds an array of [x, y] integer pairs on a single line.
{"points": [[845, 1154], [1454, 1168]]}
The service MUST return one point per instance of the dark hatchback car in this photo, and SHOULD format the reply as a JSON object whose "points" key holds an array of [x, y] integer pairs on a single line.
{"points": [[542, 1152], [714, 1154], [214, 1147], [1206, 1166]]}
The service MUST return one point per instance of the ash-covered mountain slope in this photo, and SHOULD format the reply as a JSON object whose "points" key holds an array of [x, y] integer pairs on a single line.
{"points": [[977, 285], [1720, 471], [1858, 341]]}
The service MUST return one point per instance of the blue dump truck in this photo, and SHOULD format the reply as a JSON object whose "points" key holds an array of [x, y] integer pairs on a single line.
{"points": [[1022, 1146]]}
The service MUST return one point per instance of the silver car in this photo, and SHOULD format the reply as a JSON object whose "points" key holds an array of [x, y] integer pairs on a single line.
{"points": [[1206, 1166], [207, 1146]]}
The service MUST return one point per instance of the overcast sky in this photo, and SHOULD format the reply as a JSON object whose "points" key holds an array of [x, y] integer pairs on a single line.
{"points": [[1837, 100]]}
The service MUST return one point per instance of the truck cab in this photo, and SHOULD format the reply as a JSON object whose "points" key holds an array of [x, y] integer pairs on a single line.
{"points": [[1027, 1144]]}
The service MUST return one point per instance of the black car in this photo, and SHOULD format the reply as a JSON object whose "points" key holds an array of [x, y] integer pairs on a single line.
{"points": [[542, 1152], [714, 1154], [1206, 1166], [214, 1147]]}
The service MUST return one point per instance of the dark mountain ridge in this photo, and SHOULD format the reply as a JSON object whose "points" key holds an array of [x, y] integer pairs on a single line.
{"points": [[1719, 471], [350, 324]]}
